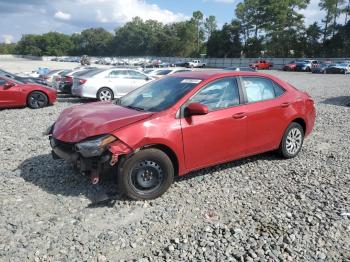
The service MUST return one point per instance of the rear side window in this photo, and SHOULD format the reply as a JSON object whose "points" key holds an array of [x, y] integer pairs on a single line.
{"points": [[260, 89], [2, 82], [136, 75], [118, 74], [278, 90]]}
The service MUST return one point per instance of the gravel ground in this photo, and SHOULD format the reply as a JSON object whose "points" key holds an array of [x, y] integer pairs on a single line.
{"points": [[257, 209]]}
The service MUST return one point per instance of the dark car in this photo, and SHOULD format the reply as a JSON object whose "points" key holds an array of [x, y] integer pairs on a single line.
{"points": [[24, 79], [321, 68], [244, 69], [181, 123], [341, 68]]}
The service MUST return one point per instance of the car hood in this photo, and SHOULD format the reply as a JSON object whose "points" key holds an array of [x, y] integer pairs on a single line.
{"points": [[80, 122]]}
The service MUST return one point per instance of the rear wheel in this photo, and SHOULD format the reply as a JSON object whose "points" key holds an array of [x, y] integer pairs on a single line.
{"points": [[292, 141], [105, 94], [146, 175], [37, 100]]}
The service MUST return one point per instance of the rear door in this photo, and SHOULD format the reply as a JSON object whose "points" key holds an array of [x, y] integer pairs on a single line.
{"points": [[137, 79], [265, 108], [119, 82]]}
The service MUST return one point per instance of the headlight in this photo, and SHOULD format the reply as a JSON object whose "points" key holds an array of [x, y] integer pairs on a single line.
{"points": [[95, 147]]}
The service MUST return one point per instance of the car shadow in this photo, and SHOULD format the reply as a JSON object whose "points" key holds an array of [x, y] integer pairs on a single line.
{"points": [[67, 98], [338, 101], [58, 178]]}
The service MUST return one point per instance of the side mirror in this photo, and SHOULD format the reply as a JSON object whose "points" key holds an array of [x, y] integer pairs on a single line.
{"points": [[9, 85], [196, 109]]}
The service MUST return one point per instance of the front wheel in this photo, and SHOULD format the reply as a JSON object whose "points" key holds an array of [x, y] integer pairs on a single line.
{"points": [[105, 94], [292, 141], [37, 100], [146, 175]]}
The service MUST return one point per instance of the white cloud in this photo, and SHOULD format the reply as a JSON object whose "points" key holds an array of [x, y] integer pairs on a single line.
{"points": [[116, 11], [63, 16], [225, 1], [8, 39]]}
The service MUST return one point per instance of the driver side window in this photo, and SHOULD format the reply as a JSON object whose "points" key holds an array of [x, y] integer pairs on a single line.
{"points": [[217, 95]]}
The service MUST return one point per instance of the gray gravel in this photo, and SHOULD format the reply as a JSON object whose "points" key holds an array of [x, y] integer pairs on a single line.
{"points": [[258, 209]]}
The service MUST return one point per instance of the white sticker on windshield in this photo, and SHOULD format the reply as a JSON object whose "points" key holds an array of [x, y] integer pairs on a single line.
{"points": [[191, 81]]}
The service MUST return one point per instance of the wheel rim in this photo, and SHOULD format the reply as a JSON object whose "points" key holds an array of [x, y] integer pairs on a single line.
{"points": [[147, 176], [37, 100], [294, 141], [105, 95]]}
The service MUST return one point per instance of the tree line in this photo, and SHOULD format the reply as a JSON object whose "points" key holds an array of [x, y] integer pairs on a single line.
{"points": [[271, 28]]}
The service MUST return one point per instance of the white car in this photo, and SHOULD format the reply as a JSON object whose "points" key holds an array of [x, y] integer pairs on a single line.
{"points": [[108, 84], [52, 76], [161, 72]]}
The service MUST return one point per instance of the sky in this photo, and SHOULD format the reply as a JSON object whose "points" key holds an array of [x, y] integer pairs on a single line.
{"points": [[18, 17]]}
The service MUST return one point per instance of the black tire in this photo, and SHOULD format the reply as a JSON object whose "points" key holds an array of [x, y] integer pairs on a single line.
{"points": [[308, 69], [105, 94], [152, 163], [285, 148], [37, 99]]}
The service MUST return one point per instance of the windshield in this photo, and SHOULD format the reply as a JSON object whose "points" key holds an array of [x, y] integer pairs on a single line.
{"points": [[159, 95]]}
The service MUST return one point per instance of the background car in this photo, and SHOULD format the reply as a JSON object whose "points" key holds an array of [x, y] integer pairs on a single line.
{"points": [[306, 65], [341, 68], [56, 80], [159, 73], [321, 68], [261, 64], [24, 79], [160, 130], [14, 93], [245, 69], [291, 66], [66, 82], [50, 76], [108, 84]]}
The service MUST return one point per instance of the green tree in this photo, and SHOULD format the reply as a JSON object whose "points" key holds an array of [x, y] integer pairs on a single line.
{"points": [[226, 42], [197, 18], [210, 25], [93, 41], [6, 49]]}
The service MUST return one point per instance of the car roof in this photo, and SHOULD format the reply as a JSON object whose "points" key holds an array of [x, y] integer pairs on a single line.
{"points": [[216, 73]]}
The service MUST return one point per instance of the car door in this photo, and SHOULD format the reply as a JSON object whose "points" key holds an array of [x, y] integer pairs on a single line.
{"points": [[265, 110], [220, 135], [118, 80], [9, 96], [137, 79]]}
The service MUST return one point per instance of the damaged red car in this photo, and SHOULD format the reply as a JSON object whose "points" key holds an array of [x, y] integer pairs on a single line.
{"points": [[182, 123]]}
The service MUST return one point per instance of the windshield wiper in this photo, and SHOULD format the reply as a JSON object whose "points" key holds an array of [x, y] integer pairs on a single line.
{"points": [[136, 108]]}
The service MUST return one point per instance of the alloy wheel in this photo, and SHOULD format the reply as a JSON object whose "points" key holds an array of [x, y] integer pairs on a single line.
{"points": [[294, 141], [37, 100], [105, 95]]}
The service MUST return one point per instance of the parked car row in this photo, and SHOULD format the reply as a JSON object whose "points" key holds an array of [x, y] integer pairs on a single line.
{"points": [[315, 66]]}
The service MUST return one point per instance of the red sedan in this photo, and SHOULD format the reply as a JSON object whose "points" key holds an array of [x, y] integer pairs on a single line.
{"points": [[182, 123], [18, 94]]}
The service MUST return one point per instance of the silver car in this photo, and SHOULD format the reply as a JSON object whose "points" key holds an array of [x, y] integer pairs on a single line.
{"points": [[108, 84]]}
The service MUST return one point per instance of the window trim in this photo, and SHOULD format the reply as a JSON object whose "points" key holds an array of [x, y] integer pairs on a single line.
{"points": [[261, 101], [181, 111]]}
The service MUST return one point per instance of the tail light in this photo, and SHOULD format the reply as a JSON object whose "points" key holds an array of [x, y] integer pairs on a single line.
{"points": [[68, 79], [82, 81]]}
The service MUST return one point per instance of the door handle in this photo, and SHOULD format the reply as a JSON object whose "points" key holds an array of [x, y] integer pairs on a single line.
{"points": [[285, 104], [241, 115]]}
